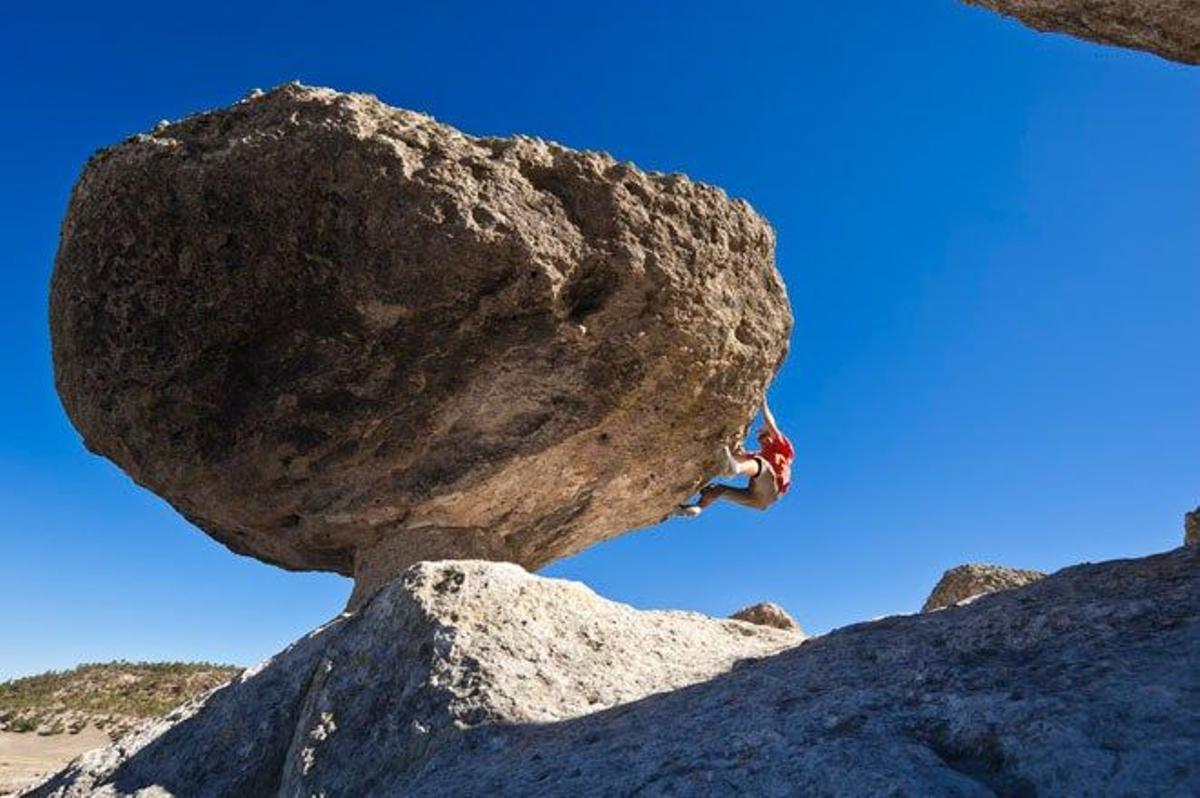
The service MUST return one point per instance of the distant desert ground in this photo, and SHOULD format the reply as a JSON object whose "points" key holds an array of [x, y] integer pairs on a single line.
{"points": [[25, 757]]}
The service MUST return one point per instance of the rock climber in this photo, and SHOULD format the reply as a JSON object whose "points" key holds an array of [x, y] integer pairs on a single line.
{"points": [[769, 469]]}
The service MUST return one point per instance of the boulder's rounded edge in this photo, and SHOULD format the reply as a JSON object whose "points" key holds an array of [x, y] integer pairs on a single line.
{"points": [[337, 335]]}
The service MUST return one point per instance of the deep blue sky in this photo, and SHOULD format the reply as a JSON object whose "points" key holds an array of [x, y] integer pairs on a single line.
{"points": [[991, 239]]}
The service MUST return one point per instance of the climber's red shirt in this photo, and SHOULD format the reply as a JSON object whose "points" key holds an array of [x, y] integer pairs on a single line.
{"points": [[777, 450]]}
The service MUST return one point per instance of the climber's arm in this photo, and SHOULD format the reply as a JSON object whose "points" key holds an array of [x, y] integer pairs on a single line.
{"points": [[769, 419]]}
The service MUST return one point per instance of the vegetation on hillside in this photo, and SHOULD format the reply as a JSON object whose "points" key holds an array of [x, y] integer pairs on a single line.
{"points": [[112, 696]]}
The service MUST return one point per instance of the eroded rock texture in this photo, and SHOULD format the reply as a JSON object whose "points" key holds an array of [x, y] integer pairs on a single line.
{"points": [[1170, 28], [359, 706], [476, 679], [338, 335], [1191, 528], [767, 613], [969, 581]]}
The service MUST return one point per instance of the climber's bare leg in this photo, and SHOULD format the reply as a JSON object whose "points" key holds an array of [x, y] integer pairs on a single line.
{"points": [[708, 494], [739, 464], [746, 465], [759, 494], [747, 497], [713, 492]]}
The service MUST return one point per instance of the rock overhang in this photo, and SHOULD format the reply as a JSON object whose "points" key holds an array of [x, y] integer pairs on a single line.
{"points": [[341, 336]]}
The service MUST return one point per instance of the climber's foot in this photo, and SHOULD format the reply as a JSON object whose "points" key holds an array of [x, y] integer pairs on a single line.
{"points": [[687, 511]]}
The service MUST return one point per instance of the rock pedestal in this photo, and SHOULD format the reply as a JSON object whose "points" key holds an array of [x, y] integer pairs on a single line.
{"points": [[478, 679]]}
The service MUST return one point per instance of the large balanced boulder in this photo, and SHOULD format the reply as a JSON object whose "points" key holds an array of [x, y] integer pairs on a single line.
{"points": [[476, 679], [1170, 28], [966, 582], [341, 336]]}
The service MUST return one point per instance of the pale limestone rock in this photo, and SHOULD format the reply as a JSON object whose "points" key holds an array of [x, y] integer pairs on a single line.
{"points": [[449, 647], [767, 613], [967, 582], [478, 679]]}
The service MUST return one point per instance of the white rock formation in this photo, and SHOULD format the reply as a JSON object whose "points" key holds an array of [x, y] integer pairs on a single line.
{"points": [[468, 678]]}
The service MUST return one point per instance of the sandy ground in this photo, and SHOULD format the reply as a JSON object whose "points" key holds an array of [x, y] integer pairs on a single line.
{"points": [[25, 757]]}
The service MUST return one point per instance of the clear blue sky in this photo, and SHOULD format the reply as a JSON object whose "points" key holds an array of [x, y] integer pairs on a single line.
{"points": [[991, 239]]}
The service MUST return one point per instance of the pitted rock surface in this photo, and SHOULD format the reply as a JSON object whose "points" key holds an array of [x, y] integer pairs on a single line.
{"points": [[476, 679], [341, 336], [358, 706], [767, 613], [972, 580], [1170, 28]]}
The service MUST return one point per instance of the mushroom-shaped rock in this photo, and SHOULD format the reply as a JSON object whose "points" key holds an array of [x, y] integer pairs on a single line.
{"points": [[341, 336], [1170, 28], [973, 580], [768, 613]]}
